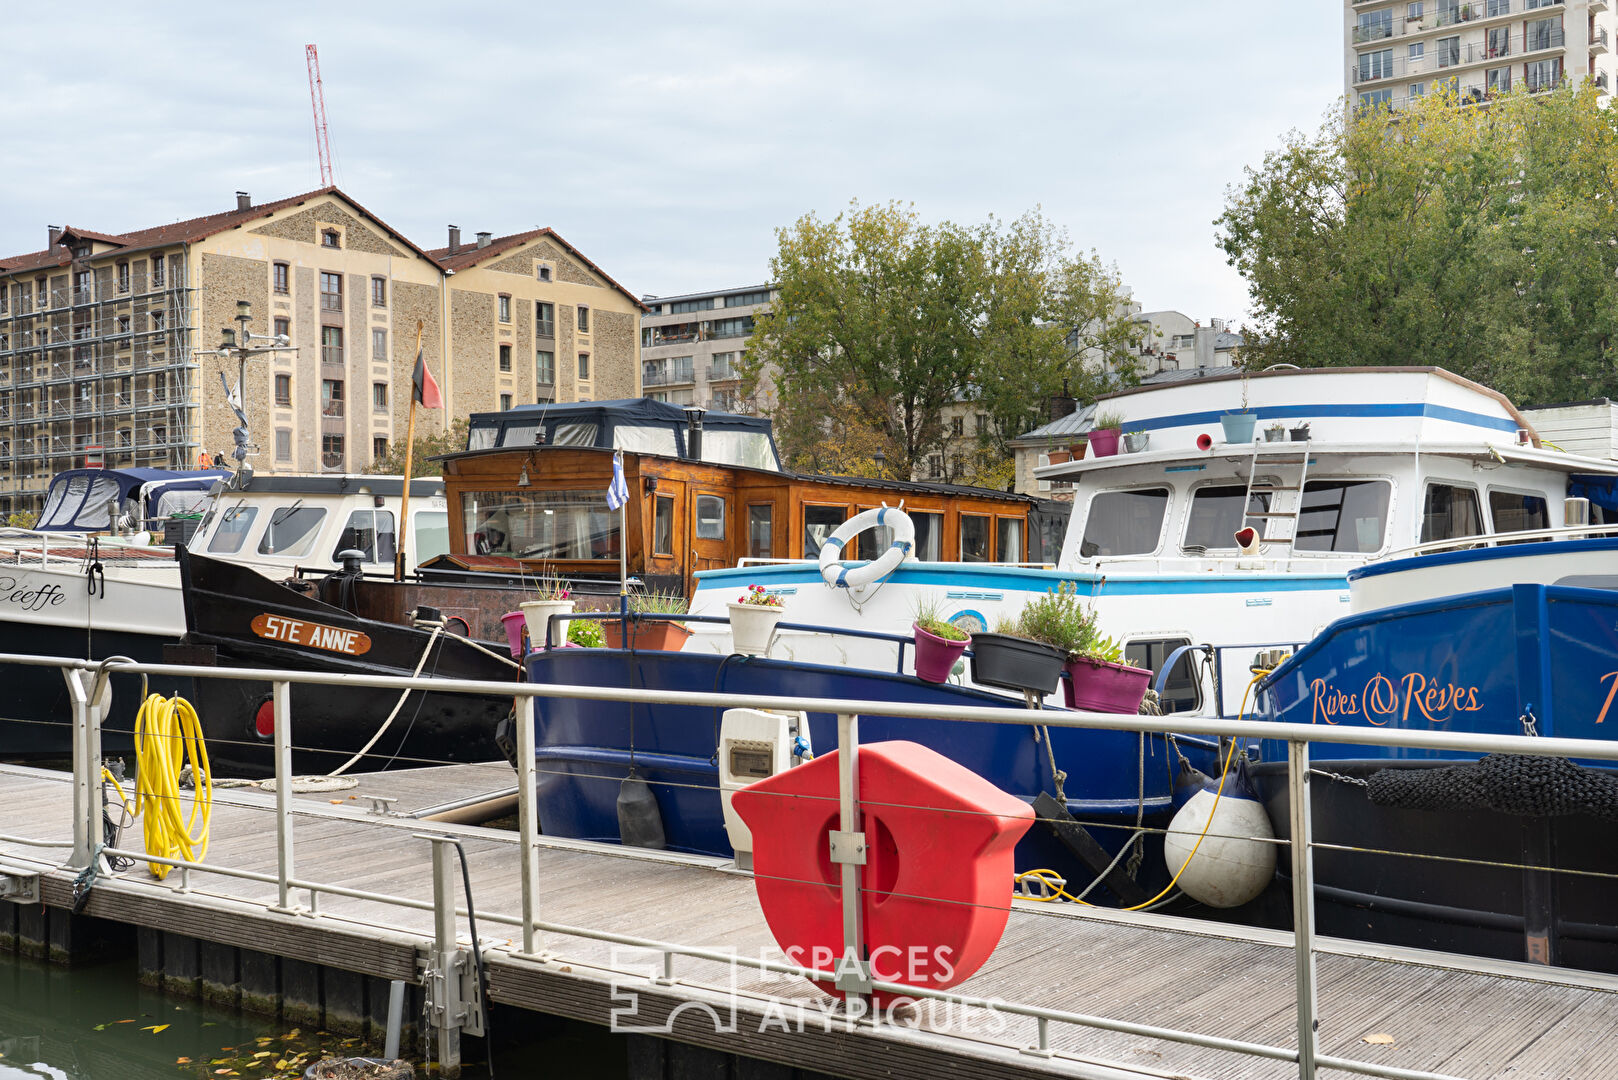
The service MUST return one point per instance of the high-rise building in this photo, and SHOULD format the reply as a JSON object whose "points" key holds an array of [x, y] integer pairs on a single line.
{"points": [[691, 348], [1401, 50]]}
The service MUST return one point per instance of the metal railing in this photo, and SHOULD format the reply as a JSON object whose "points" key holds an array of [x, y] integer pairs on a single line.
{"points": [[853, 976], [1503, 539]]}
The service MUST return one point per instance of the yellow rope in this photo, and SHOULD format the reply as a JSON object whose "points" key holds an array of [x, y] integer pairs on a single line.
{"points": [[167, 734]]}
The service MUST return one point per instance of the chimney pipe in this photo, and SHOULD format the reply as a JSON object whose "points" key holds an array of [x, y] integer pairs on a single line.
{"points": [[1062, 404], [454, 238], [483, 239], [244, 201], [693, 431], [56, 234]]}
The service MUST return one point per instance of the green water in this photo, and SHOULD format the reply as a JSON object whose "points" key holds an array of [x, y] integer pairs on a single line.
{"points": [[68, 1023]]}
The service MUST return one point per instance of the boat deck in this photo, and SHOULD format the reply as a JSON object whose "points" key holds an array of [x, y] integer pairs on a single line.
{"points": [[1451, 1015]]}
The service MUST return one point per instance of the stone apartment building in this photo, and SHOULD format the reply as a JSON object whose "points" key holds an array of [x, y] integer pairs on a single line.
{"points": [[691, 346], [109, 341]]}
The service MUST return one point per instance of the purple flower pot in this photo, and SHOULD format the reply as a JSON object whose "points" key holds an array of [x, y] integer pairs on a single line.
{"points": [[935, 656], [1103, 686], [1104, 442]]}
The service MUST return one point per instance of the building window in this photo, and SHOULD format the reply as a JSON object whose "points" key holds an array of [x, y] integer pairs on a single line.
{"points": [[1376, 65], [283, 326], [283, 444], [1449, 51], [330, 238], [1418, 49], [331, 344], [44, 296], [748, 299], [957, 426], [379, 397], [584, 319], [1376, 98], [1498, 80], [123, 324], [331, 451], [505, 308], [1544, 74], [283, 391], [1417, 89], [505, 402], [157, 320], [280, 277], [543, 272], [331, 291], [379, 447], [331, 397], [681, 307], [157, 271], [505, 358], [544, 367], [1413, 11], [983, 423], [545, 320], [379, 343], [379, 292], [123, 282], [584, 365]]}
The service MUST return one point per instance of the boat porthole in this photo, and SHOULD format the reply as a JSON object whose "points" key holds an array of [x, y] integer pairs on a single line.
{"points": [[264, 719]]}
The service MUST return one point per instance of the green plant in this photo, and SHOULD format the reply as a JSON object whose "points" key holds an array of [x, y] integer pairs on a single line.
{"points": [[658, 603], [1061, 619], [547, 586], [586, 633], [1112, 418], [755, 596], [22, 519], [930, 617]]}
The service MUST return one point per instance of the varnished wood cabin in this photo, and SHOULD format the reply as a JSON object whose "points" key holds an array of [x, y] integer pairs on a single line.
{"points": [[706, 490]]}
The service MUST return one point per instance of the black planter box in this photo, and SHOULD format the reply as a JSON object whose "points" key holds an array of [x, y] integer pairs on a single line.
{"points": [[1014, 663]]}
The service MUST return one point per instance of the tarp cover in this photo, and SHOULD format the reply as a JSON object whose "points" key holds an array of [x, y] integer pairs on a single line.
{"points": [[78, 499], [1602, 491]]}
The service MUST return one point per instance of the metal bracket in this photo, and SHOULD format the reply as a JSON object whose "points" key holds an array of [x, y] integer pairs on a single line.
{"points": [[847, 847], [853, 976], [467, 1001], [18, 885]]}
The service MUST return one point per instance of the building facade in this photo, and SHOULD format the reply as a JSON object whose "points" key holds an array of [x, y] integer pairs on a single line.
{"points": [[691, 348], [1396, 51], [109, 343]]}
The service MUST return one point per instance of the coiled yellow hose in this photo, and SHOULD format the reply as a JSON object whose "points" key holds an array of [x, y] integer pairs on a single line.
{"points": [[167, 734]]}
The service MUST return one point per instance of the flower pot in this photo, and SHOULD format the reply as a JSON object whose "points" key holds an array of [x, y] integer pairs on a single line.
{"points": [[1014, 663], [752, 626], [538, 613], [1238, 426], [935, 656], [515, 623], [1104, 686], [1275, 434], [1104, 442], [1300, 433], [646, 634]]}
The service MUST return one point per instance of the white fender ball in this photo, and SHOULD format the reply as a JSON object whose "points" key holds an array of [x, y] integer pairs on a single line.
{"points": [[1234, 862]]}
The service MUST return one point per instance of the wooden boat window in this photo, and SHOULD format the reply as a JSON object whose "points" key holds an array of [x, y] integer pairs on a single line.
{"points": [[710, 517], [432, 535], [819, 522], [370, 531], [1008, 540], [542, 525], [663, 526], [292, 531], [1125, 522], [760, 531], [234, 525], [1514, 511], [1343, 515], [1450, 511], [1216, 515], [974, 538], [929, 535]]}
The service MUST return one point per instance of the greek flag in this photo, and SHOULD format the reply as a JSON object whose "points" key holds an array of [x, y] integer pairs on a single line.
{"points": [[617, 491]]}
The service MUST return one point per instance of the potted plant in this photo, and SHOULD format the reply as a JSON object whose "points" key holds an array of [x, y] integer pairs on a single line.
{"points": [[1104, 433], [1099, 680], [1239, 425], [753, 616], [1009, 659], [1135, 441], [1300, 432], [551, 597], [1276, 432], [666, 634], [938, 643], [585, 633]]}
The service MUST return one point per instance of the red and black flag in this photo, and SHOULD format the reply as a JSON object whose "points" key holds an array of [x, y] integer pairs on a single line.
{"points": [[426, 388]]}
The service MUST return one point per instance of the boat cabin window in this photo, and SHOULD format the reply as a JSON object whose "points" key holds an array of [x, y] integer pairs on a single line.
{"points": [[1216, 516], [929, 535], [750, 449], [871, 543], [370, 531], [482, 438], [432, 535], [292, 531], [760, 531], [1513, 511], [974, 538], [574, 435], [646, 440], [1449, 511], [521, 434], [710, 517], [543, 525], [1124, 522], [1343, 515], [1180, 690], [819, 522], [234, 525], [1008, 540], [663, 526]]}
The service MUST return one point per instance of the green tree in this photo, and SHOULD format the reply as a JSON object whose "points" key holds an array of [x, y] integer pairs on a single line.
{"points": [[428, 445], [1482, 240], [881, 321], [21, 519]]}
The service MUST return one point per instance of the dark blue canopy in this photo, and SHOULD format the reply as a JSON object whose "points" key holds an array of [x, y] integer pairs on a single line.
{"points": [[78, 498]]}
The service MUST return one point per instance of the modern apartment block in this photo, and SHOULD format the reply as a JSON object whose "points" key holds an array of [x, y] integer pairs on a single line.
{"points": [[1401, 50], [691, 347], [109, 341]]}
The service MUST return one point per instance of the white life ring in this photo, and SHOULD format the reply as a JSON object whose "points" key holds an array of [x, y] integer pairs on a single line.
{"points": [[843, 575]]}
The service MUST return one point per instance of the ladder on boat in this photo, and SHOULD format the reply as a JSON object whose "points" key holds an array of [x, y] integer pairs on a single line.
{"points": [[1286, 455]]}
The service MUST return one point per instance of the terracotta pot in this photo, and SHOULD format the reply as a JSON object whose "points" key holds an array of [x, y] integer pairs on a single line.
{"points": [[936, 656], [1104, 686], [646, 634]]}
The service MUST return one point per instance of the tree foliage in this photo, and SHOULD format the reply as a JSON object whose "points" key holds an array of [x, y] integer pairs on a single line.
{"points": [[1482, 239], [881, 321], [428, 445]]}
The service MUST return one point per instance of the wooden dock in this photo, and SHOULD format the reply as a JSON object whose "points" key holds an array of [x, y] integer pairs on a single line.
{"points": [[1451, 1015]]}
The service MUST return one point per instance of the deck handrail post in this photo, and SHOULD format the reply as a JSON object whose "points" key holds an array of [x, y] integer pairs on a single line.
{"points": [[86, 762], [445, 1005], [1303, 905], [527, 823], [281, 695], [848, 850]]}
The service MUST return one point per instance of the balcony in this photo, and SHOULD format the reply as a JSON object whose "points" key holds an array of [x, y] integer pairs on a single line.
{"points": [[1377, 32], [671, 375], [1598, 40], [1597, 5], [722, 372], [332, 410], [1537, 82], [545, 328], [1549, 39], [1601, 82]]}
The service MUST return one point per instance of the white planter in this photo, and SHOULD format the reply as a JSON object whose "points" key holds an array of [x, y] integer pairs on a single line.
{"points": [[751, 628], [538, 612]]}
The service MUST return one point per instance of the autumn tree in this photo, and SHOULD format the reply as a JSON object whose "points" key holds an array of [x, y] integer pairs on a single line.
{"points": [[1482, 239]]}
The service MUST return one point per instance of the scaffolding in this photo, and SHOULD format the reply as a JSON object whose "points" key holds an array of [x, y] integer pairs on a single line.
{"points": [[94, 365]]}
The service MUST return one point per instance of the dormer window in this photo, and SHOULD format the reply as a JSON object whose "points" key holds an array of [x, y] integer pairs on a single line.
{"points": [[330, 238], [81, 251], [543, 272]]}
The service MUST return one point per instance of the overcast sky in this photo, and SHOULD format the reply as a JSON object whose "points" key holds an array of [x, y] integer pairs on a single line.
{"points": [[668, 141]]}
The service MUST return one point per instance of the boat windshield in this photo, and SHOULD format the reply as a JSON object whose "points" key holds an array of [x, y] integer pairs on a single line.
{"points": [[543, 525], [1343, 515], [1125, 522]]}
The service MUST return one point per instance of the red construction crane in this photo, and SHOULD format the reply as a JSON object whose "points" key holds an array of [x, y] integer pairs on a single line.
{"points": [[317, 98]]}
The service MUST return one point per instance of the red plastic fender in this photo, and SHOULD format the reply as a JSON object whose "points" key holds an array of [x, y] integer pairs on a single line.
{"points": [[938, 873]]}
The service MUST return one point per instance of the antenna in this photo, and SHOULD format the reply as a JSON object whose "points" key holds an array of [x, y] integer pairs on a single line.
{"points": [[317, 99]]}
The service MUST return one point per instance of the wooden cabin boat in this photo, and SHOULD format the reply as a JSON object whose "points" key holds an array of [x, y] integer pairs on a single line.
{"points": [[707, 490]]}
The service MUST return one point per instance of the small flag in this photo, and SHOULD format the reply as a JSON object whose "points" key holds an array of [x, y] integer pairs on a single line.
{"points": [[617, 491], [233, 398], [426, 389]]}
